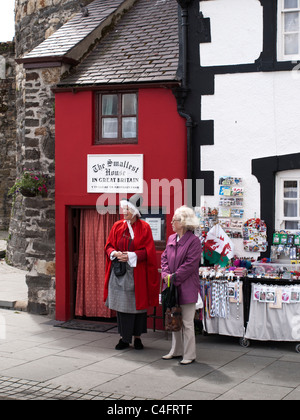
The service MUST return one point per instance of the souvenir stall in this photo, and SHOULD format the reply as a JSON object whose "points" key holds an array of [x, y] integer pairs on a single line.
{"points": [[237, 303], [241, 297], [247, 299]]}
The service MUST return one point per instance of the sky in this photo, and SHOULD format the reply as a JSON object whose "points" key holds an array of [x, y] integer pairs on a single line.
{"points": [[7, 21]]}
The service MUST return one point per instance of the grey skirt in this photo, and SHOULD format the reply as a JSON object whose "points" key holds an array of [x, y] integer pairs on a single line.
{"points": [[121, 293]]}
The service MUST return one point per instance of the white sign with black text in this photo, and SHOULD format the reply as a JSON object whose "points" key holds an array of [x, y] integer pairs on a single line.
{"points": [[115, 174]]}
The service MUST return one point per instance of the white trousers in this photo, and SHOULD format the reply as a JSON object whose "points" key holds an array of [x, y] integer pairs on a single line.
{"points": [[184, 342]]}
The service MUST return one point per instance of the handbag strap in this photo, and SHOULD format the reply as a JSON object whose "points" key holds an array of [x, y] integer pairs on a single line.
{"points": [[129, 244], [175, 289]]}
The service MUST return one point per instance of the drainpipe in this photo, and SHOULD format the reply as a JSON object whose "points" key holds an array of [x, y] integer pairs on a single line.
{"points": [[183, 92]]}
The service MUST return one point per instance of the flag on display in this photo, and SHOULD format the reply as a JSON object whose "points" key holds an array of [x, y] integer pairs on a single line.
{"points": [[218, 248]]}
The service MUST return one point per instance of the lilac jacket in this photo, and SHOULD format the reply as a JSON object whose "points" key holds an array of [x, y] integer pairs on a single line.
{"points": [[183, 258]]}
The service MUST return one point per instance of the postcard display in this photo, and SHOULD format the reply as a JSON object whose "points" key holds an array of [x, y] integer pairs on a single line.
{"points": [[231, 200]]}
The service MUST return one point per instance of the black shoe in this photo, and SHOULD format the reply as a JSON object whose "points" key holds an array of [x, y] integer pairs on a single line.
{"points": [[121, 345], [138, 345]]}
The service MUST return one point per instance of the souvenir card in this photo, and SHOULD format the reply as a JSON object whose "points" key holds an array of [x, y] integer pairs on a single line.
{"points": [[237, 213], [239, 201], [224, 223], [295, 295], [286, 296], [231, 290], [226, 191], [276, 238], [262, 295], [237, 191], [278, 300], [283, 239], [270, 295], [224, 212], [235, 292], [226, 202], [236, 224], [230, 180], [256, 292]]}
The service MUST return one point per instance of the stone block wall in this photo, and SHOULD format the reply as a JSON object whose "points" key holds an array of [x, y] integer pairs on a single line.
{"points": [[32, 228], [7, 129]]}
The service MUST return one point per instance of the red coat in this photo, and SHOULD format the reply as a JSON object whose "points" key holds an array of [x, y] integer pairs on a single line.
{"points": [[146, 278]]}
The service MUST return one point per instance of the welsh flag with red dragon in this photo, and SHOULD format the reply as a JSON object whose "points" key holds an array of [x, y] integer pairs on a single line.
{"points": [[218, 248]]}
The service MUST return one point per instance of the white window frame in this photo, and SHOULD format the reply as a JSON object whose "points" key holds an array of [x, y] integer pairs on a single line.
{"points": [[281, 56], [292, 175]]}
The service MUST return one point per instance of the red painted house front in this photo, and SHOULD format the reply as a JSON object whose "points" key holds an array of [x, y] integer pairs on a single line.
{"points": [[161, 139]]}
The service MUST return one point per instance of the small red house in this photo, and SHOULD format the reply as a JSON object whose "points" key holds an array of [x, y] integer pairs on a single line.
{"points": [[117, 130]]}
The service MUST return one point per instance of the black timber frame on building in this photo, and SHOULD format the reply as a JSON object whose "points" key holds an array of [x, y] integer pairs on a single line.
{"points": [[199, 81]]}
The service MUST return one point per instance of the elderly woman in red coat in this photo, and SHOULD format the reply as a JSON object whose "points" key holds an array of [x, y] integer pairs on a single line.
{"points": [[130, 295], [181, 260]]}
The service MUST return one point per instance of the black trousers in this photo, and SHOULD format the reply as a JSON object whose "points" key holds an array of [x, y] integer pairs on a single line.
{"points": [[131, 325]]}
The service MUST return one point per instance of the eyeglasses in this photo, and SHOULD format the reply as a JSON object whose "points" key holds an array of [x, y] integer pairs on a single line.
{"points": [[175, 220]]}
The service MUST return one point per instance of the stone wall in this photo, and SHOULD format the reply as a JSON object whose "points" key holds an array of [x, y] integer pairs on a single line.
{"points": [[32, 229], [7, 129]]}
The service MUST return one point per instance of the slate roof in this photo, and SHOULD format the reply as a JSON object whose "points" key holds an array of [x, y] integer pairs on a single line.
{"points": [[75, 30], [142, 47]]}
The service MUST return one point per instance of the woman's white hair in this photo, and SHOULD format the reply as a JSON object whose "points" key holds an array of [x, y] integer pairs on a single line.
{"points": [[187, 217]]}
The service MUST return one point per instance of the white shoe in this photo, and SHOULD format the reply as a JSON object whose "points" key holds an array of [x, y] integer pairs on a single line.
{"points": [[186, 362], [170, 356]]}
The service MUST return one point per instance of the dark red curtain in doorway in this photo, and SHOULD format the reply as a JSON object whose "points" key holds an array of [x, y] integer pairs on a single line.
{"points": [[94, 230]]}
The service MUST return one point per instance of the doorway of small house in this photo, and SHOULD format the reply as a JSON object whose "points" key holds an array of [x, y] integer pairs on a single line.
{"points": [[89, 233]]}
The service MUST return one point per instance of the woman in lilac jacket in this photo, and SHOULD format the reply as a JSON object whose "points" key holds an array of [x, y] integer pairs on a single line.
{"points": [[180, 260]]}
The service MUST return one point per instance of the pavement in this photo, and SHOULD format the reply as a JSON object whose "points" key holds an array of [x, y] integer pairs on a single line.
{"points": [[40, 360]]}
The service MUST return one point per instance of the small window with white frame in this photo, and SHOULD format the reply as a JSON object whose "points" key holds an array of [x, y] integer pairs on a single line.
{"points": [[288, 30], [288, 200]]}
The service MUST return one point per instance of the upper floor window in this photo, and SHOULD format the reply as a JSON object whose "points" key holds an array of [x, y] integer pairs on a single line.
{"points": [[288, 200], [116, 117], [289, 30]]}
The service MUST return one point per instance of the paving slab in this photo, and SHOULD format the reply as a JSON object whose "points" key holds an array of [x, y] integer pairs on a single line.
{"points": [[13, 287], [253, 391]]}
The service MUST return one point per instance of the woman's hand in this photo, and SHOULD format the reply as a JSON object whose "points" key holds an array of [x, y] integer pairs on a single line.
{"points": [[121, 256], [167, 278]]}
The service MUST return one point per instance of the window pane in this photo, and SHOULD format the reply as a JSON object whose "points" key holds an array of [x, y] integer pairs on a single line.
{"points": [[289, 225], [291, 22], [290, 208], [290, 4], [129, 104], [290, 189], [109, 128], [129, 128], [109, 104], [291, 44]]}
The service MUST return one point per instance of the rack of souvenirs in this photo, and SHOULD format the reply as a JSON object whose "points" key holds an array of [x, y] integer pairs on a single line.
{"points": [[255, 235], [231, 201], [286, 245], [252, 301], [245, 267], [222, 296], [208, 218]]}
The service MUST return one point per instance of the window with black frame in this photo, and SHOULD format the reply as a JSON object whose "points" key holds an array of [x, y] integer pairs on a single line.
{"points": [[289, 29]]}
